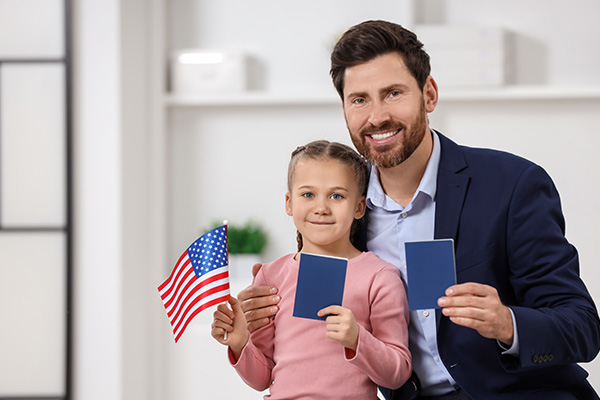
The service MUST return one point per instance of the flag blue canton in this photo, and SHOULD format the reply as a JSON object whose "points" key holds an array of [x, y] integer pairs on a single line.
{"points": [[209, 251]]}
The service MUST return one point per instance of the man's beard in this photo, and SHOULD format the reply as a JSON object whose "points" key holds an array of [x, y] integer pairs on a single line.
{"points": [[392, 155]]}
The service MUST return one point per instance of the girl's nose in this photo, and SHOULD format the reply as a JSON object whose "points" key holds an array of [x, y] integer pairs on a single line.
{"points": [[322, 207]]}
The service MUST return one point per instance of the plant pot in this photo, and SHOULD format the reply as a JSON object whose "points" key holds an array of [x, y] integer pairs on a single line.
{"points": [[240, 267]]}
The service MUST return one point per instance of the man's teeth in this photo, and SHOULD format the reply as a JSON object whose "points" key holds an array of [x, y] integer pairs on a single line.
{"points": [[381, 136]]}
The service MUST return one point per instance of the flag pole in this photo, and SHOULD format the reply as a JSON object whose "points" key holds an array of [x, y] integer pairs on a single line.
{"points": [[227, 233]]}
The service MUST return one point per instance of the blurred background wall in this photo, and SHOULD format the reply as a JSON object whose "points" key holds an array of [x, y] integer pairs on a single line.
{"points": [[153, 167]]}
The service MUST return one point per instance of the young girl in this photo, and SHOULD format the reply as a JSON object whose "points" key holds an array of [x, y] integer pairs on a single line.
{"points": [[361, 344]]}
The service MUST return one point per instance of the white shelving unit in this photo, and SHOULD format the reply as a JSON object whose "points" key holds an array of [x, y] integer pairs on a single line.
{"points": [[506, 93], [250, 99]]}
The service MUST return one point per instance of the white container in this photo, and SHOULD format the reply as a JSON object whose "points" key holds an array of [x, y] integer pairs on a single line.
{"points": [[467, 56], [203, 71]]}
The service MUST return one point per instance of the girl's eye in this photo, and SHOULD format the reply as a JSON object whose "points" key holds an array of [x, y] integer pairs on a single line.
{"points": [[308, 195], [337, 196]]}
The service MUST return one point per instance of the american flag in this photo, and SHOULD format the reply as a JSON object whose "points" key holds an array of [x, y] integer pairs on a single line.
{"points": [[199, 280]]}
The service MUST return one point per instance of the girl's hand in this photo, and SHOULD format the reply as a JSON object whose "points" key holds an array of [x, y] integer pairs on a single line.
{"points": [[341, 326], [232, 322]]}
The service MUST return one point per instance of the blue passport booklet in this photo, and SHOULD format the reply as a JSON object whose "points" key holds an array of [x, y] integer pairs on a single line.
{"points": [[320, 284], [430, 270]]}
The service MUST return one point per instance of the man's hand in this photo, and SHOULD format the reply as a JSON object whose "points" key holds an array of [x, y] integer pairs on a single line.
{"points": [[478, 307], [341, 326], [258, 303]]}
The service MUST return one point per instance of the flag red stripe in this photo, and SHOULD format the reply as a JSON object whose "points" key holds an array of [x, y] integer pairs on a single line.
{"points": [[194, 301], [166, 282], [180, 291], [178, 286], [181, 268], [201, 308], [199, 286]]}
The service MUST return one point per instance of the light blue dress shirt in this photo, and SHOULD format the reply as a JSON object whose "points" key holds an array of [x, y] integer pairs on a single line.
{"points": [[388, 219], [416, 221]]}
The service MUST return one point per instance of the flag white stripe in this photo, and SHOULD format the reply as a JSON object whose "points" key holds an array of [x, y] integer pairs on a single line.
{"points": [[190, 278], [177, 278], [197, 306], [191, 300]]}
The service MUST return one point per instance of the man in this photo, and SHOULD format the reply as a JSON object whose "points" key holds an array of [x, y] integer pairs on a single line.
{"points": [[520, 318]]}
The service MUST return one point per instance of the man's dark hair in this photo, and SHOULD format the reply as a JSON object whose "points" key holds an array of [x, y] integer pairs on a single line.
{"points": [[370, 39]]}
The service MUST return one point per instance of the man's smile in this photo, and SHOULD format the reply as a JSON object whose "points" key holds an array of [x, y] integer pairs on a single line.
{"points": [[383, 137]]}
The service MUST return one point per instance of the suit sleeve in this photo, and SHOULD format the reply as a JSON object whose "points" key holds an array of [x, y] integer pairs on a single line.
{"points": [[383, 353], [557, 321], [256, 361]]}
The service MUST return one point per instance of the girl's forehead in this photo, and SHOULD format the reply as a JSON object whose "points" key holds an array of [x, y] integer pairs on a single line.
{"points": [[322, 162], [308, 168]]}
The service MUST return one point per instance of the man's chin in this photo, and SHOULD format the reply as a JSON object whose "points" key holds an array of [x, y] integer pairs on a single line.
{"points": [[387, 163], [383, 158]]}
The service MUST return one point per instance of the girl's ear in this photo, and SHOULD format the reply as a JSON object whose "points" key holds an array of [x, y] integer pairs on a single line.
{"points": [[361, 207], [288, 205]]}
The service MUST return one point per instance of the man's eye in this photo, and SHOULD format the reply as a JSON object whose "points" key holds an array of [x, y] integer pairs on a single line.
{"points": [[358, 101]]}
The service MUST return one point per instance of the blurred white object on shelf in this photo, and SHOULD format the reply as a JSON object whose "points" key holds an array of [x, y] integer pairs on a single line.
{"points": [[201, 71], [467, 56]]}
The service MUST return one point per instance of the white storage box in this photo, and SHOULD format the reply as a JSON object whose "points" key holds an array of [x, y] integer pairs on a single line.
{"points": [[467, 56], [200, 71]]}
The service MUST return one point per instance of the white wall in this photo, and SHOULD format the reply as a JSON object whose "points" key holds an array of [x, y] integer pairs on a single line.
{"points": [[119, 195], [98, 301], [553, 40]]}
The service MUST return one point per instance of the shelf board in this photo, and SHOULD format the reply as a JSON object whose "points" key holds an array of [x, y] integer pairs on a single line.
{"points": [[507, 93], [521, 93], [251, 98]]}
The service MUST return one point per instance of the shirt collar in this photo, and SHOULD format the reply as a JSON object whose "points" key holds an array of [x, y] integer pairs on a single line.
{"points": [[376, 197]]}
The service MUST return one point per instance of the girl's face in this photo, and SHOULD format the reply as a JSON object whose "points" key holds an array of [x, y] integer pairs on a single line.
{"points": [[324, 201]]}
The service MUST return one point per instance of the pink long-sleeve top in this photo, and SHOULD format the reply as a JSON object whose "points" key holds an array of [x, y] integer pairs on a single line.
{"points": [[295, 360]]}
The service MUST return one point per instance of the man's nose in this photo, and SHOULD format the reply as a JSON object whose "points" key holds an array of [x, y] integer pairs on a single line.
{"points": [[380, 114]]}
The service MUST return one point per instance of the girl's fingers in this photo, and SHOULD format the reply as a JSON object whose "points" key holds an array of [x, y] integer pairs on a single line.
{"points": [[331, 310]]}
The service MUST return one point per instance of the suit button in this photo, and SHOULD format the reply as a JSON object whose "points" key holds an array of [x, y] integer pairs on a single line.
{"points": [[551, 357], [535, 359]]}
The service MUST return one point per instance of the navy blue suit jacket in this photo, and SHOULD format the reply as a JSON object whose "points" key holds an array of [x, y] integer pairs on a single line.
{"points": [[505, 217]]}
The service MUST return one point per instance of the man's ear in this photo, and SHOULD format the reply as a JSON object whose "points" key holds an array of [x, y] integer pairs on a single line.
{"points": [[430, 94], [288, 205]]}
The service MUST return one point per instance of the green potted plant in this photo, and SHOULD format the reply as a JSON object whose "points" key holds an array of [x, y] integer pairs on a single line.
{"points": [[246, 243], [249, 238]]}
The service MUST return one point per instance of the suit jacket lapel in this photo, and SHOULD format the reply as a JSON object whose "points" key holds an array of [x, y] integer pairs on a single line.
{"points": [[450, 195], [451, 189]]}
